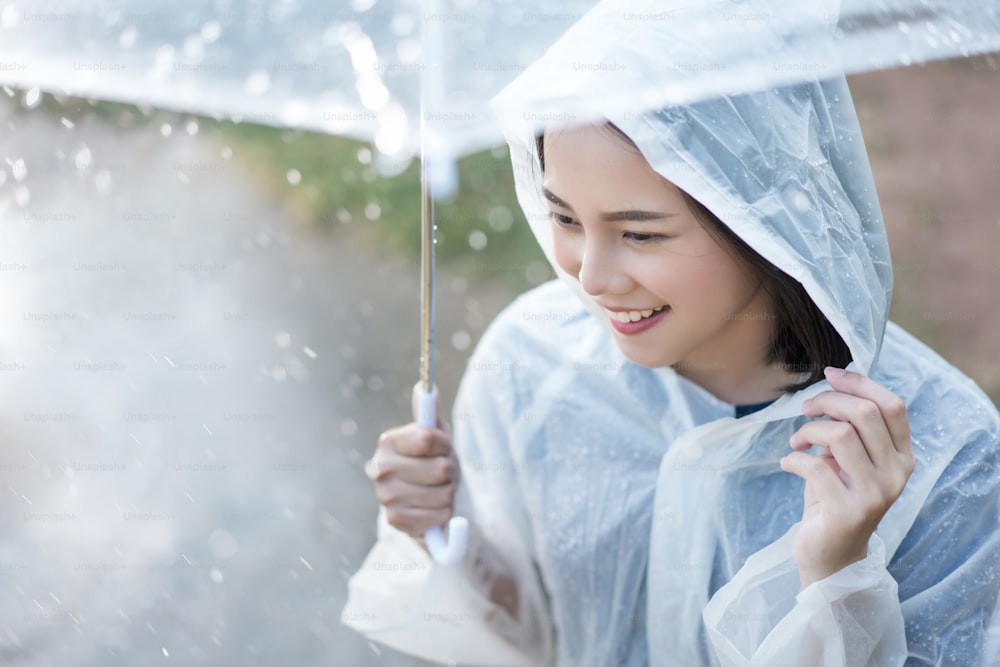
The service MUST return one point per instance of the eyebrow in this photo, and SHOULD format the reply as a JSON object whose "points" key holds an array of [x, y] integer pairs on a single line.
{"points": [[631, 215]]}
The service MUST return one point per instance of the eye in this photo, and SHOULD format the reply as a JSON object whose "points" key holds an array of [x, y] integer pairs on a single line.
{"points": [[642, 238], [563, 220]]}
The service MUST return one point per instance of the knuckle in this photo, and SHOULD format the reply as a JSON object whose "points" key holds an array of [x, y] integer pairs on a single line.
{"points": [[895, 407], [869, 411], [441, 470], [843, 432], [385, 494]]}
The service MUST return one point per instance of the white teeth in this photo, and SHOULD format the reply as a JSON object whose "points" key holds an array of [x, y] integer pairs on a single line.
{"points": [[634, 315]]}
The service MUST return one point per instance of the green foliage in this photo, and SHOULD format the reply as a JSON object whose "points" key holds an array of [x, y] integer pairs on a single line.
{"points": [[481, 233]]}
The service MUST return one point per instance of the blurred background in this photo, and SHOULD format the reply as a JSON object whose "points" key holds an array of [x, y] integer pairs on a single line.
{"points": [[259, 287]]}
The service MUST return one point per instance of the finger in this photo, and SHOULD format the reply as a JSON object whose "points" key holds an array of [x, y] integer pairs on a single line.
{"points": [[425, 471], [892, 406], [395, 491], [415, 521], [420, 441], [844, 445], [866, 418], [437, 399], [825, 483]]}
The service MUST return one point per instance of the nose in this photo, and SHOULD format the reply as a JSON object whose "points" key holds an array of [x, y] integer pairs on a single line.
{"points": [[601, 271]]}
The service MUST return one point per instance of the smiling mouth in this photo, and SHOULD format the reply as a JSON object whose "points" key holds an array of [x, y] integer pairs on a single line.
{"points": [[626, 316]]}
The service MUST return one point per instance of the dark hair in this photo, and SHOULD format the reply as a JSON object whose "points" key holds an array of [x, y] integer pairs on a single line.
{"points": [[803, 339]]}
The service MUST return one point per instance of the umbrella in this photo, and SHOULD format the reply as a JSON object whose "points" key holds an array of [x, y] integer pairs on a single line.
{"points": [[353, 70]]}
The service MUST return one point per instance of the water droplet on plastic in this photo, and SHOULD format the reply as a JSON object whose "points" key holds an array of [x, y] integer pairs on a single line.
{"points": [[19, 169], [67, 123], [226, 153], [10, 16], [461, 340], [83, 158], [283, 339], [210, 32], [373, 211], [500, 218], [348, 427], [127, 38], [191, 127], [364, 155], [293, 176], [103, 181], [32, 98], [22, 195], [166, 130], [477, 240], [258, 82], [360, 6], [222, 544]]}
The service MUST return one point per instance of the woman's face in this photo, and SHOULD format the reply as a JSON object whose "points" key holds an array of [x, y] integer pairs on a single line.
{"points": [[630, 239]]}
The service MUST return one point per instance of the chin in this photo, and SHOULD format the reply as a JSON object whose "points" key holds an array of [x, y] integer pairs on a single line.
{"points": [[648, 359]]}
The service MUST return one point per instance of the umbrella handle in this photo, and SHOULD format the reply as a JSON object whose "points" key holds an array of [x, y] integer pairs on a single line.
{"points": [[452, 550]]}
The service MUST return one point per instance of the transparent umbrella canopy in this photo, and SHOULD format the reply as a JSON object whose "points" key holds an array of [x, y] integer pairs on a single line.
{"points": [[415, 78]]}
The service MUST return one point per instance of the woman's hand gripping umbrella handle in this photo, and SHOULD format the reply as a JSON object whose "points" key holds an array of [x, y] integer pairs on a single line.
{"points": [[451, 550]]}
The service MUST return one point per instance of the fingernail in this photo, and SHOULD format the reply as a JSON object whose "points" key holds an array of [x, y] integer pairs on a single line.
{"points": [[833, 372]]}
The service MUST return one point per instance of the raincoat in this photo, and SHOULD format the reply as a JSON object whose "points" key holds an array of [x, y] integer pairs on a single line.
{"points": [[640, 520]]}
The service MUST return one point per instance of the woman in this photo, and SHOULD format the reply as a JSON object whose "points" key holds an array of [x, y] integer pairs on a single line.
{"points": [[633, 437]]}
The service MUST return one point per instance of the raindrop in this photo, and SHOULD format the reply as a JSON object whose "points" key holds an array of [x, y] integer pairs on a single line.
{"points": [[166, 130], [477, 240], [216, 575], [32, 98], [500, 218], [293, 176], [67, 123], [19, 169], [537, 272], [191, 127], [403, 24], [905, 59], [348, 427], [82, 159], [10, 16], [193, 48], [461, 340], [127, 38], [165, 57], [222, 544], [364, 155], [103, 181], [226, 153], [258, 82], [373, 211], [278, 374], [903, 28], [283, 339], [22, 195], [165, 651], [210, 32], [359, 6], [309, 352]]}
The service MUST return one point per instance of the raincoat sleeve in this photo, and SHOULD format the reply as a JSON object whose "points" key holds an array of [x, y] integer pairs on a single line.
{"points": [[939, 613], [401, 598]]}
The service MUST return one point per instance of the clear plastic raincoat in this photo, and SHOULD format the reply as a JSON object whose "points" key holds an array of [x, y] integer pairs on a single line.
{"points": [[638, 519]]}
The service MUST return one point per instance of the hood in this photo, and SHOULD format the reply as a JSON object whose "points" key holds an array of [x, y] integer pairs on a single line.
{"points": [[784, 168]]}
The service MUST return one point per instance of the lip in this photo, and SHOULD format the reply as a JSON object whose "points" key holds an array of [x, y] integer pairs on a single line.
{"points": [[636, 327]]}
